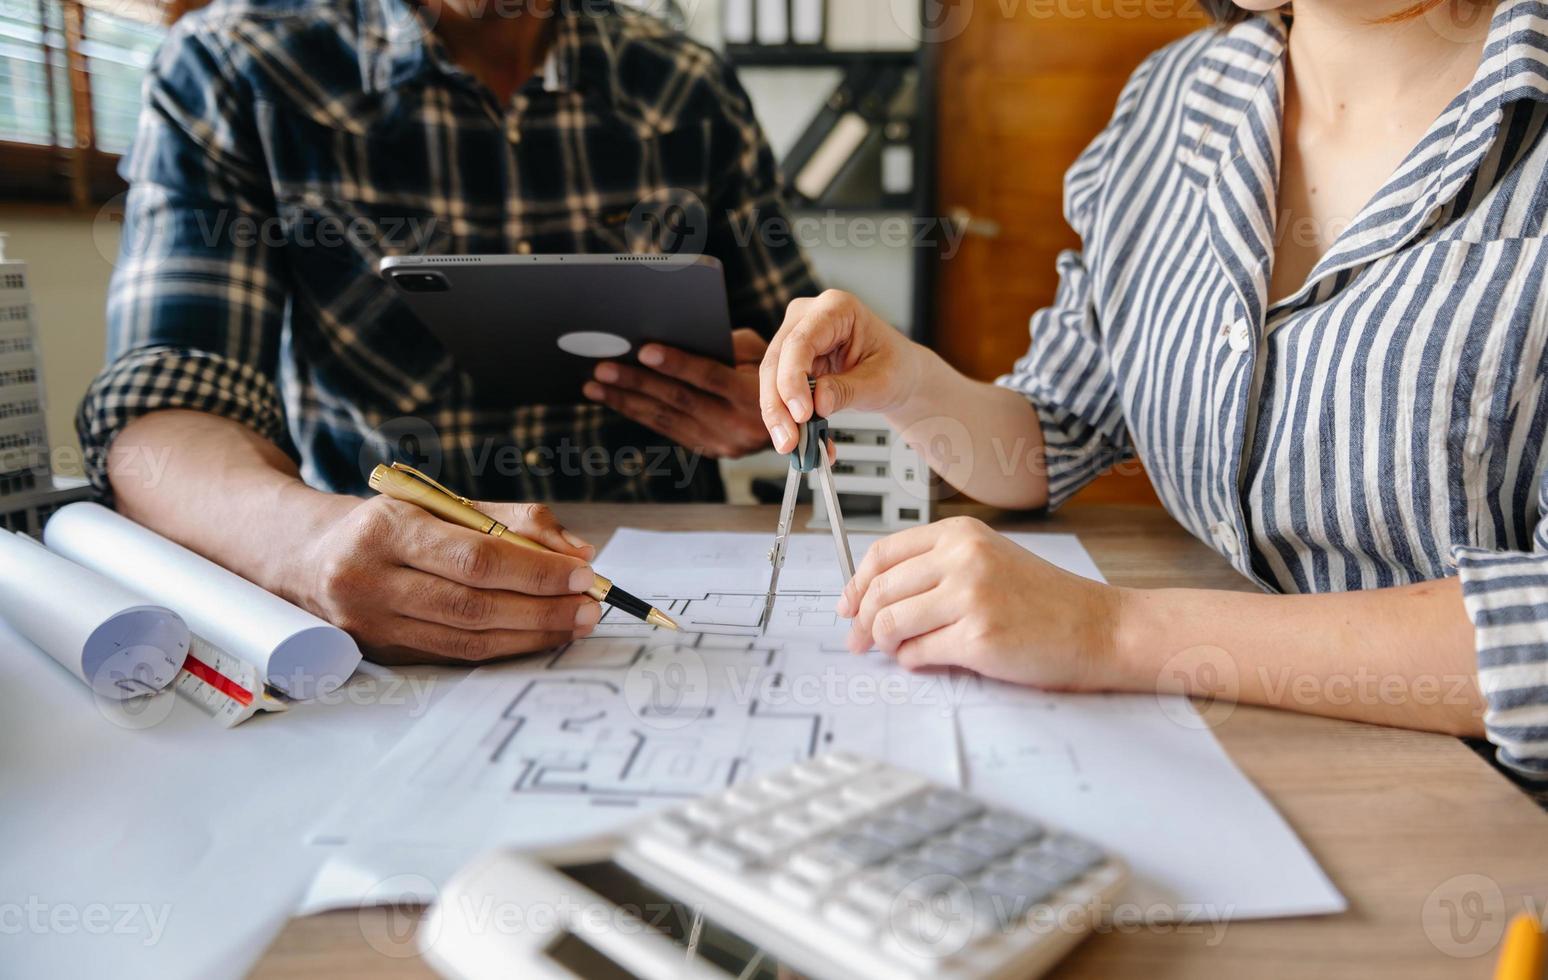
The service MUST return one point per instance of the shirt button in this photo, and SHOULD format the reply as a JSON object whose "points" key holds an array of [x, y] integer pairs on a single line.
{"points": [[1239, 336], [533, 457], [524, 247], [1225, 537]]}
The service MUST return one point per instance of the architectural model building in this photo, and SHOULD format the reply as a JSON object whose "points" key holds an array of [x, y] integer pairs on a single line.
{"points": [[28, 491], [882, 484]]}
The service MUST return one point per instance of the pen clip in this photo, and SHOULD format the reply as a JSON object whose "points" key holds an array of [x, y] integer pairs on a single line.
{"points": [[423, 478]]}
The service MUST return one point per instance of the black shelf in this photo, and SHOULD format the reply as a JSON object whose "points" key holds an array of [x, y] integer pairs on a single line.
{"points": [[798, 56]]}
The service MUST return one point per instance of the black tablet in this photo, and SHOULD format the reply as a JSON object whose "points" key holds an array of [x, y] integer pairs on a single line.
{"points": [[537, 324]]}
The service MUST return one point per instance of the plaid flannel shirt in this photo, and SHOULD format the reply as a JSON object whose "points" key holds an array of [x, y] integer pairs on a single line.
{"points": [[286, 146]]}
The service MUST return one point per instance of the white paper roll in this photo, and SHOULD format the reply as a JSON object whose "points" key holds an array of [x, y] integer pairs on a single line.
{"points": [[298, 653], [116, 641]]}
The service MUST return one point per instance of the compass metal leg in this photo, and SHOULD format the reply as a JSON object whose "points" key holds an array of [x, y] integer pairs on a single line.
{"points": [[835, 518]]}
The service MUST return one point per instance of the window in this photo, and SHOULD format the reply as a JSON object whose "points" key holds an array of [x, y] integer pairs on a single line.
{"points": [[70, 75]]}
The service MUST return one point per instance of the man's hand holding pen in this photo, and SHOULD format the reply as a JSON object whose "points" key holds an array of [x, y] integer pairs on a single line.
{"points": [[412, 588]]}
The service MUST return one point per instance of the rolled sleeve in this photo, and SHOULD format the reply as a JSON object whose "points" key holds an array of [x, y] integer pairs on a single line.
{"points": [[197, 300], [157, 378], [1066, 377], [1506, 595]]}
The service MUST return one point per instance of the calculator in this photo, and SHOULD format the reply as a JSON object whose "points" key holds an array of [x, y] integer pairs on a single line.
{"points": [[837, 867]]}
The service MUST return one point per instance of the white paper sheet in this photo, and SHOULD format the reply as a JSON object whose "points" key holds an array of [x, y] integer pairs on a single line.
{"points": [[116, 641], [150, 846], [563, 746], [298, 653]]}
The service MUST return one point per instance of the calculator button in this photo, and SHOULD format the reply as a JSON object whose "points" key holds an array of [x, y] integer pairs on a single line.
{"points": [[1054, 868], [927, 819], [990, 845], [676, 828], [799, 891], [894, 832], [1019, 891], [781, 786], [876, 789], [820, 865], [932, 882], [1081, 852], [710, 815], [800, 823], [959, 806], [749, 798], [1006, 824], [906, 869], [873, 890], [761, 839], [861, 849], [953, 860], [846, 763], [835, 808], [725, 854], [851, 918], [813, 775]]}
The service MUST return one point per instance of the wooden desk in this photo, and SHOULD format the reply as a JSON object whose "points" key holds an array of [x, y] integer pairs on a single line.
{"points": [[1415, 829]]}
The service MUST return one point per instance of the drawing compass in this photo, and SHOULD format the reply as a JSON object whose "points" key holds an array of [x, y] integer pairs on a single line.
{"points": [[811, 454]]}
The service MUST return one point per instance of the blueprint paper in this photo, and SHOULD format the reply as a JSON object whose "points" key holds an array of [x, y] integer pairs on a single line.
{"points": [[188, 842], [587, 740], [111, 638], [297, 653]]}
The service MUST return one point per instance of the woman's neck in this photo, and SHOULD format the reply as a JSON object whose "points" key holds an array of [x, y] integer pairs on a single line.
{"points": [[1350, 66]]}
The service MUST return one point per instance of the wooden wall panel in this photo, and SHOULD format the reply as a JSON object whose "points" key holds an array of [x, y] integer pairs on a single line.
{"points": [[1023, 89]]}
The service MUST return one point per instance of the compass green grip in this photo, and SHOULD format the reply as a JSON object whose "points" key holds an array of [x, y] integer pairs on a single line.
{"points": [[813, 439]]}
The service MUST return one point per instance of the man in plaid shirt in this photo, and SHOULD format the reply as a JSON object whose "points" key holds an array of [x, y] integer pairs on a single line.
{"points": [[259, 368]]}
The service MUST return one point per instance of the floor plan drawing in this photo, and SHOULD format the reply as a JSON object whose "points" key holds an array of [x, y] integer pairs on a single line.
{"points": [[589, 738], [639, 714]]}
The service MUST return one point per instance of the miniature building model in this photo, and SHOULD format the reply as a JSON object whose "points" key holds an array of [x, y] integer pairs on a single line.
{"points": [[882, 483], [28, 491]]}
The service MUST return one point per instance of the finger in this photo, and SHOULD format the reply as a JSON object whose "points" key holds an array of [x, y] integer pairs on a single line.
{"points": [[903, 620], [435, 600], [817, 334], [747, 346], [835, 392], [415, 641], [485, 562], [934, 649], [902, 581], [776, 417], [682, 397], [650, 413], [701, 373], [889, 551], [538, 523]]}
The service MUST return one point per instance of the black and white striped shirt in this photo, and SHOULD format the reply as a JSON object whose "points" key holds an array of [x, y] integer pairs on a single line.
{"points": [[1385, 424]]}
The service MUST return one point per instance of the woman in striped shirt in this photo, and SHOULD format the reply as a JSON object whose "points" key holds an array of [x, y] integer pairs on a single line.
{"points": [[1310, 300]]}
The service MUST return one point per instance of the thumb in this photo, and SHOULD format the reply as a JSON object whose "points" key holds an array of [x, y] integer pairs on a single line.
{"points": [[861, 389]]}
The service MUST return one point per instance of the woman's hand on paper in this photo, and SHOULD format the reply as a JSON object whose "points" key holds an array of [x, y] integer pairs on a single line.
{"points": [[858, 360], [956, 594], [694, 401], [411, 588]]}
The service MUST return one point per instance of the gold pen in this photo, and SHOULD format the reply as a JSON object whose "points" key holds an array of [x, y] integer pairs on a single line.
{"points": [[407, 484]]}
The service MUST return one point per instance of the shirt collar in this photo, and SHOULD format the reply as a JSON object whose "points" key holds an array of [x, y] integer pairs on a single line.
{"points": [[1243, 59]]}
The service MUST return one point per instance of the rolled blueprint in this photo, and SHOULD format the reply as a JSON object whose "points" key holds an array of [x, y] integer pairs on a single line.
{"points": [[296, 652], [116, 641]]}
